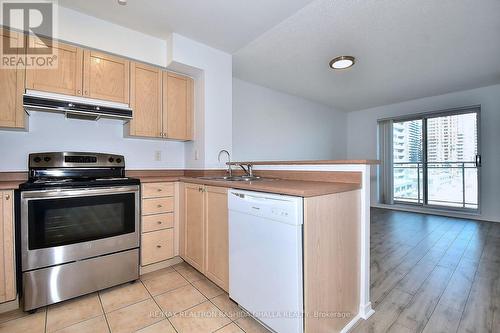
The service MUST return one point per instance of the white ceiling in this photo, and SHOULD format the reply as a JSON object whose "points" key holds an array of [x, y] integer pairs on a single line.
{"points": [[224, 24], [405, 50]]}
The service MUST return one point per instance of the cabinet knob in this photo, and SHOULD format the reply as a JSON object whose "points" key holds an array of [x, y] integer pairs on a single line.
{"points": [[159, 222], [159, 190], [86, 92], [79, 92], [158, 246], [159, 206], [7, 197]]}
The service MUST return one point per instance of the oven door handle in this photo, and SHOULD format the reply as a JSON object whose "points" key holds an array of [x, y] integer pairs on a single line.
{"points": [[81, 192]]}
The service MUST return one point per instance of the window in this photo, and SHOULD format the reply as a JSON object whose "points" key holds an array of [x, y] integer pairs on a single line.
{"points": [[434, 160]]}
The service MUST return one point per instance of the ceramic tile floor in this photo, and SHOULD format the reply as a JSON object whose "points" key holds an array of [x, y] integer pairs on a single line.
{"points": [[176, 299]]}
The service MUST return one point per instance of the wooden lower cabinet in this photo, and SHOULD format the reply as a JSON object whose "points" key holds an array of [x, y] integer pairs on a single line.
{"points": [[194, 229], [157, 223], [216, 236], [331, 250], [331, 261], [157, 246], [206, 240], [7, 266]]}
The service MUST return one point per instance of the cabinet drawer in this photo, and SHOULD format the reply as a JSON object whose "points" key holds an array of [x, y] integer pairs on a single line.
{"points": [[156, 190], [157, 206], [157, 222], [157, 246]]}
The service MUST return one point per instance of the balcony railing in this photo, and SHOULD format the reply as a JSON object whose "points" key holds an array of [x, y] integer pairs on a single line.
{"points": [[449, 184]]}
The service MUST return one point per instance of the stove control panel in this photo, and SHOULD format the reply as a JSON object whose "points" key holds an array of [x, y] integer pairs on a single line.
{"points": [[75, 160]]}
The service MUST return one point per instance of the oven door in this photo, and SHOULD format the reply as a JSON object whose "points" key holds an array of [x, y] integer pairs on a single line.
{"points": [[64, 225]]}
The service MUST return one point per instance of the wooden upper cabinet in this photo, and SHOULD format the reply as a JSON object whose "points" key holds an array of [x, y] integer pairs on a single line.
{"points": [[145, 100], [106, 77], [12, 114], [217, 236], [65, 78], [194, 251], [7, 264], [178, 106]]}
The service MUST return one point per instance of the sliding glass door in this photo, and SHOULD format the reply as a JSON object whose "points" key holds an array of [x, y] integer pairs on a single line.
{"points": [[436, 160], [407, 143]]}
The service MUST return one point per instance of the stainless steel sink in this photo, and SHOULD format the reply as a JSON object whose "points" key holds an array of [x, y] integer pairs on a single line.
{"points": [[231, 179]]}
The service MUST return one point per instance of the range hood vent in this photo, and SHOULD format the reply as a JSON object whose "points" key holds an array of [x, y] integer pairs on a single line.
{"points": [[75, 107]]}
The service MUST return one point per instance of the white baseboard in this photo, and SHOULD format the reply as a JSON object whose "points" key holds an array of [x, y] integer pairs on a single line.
{"points": [[351, 324], [366, 311]]}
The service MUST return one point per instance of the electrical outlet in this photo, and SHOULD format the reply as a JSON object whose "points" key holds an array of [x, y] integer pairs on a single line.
{"points": [[158, 155]]}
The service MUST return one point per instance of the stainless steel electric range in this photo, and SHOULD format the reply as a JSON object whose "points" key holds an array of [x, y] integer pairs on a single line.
{"points": [[78, 230]]}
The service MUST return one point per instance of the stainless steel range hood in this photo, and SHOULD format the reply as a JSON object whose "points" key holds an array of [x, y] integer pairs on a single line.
{"points": [[75, 107]]}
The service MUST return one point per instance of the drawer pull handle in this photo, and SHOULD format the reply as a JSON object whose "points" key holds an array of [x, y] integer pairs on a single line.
{"points": [[158, 246], [159, 222], [159, 190], [159, 206]]}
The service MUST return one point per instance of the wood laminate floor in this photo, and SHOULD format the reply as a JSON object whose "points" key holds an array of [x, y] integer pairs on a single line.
{"points": [[433, 274]]}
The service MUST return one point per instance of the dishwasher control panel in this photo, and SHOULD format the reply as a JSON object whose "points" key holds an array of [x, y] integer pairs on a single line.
{"points": [[282, 208]]}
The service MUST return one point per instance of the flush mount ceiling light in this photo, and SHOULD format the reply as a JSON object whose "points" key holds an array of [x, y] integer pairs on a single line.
{"points": [[122, 2], [342, 62]]}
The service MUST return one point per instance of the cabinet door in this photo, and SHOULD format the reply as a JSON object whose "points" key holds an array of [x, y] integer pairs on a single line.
{"points": [[145, 100], [216, 236], [12, 87], [194, 251], [177, 106], [65, 78], [7, 270], [106, 77], [157, 246]]}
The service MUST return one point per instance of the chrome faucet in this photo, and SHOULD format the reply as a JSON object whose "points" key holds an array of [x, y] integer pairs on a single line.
{"points": [[248, 170], [229, 169]]}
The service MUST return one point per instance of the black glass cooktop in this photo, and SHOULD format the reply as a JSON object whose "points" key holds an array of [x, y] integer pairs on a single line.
{"points": [[50, 183]]}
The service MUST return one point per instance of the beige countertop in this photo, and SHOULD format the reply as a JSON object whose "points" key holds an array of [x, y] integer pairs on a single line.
{"points": [[302, 188], [158, 179], [10, 184], [299, 188], [308, 162]]}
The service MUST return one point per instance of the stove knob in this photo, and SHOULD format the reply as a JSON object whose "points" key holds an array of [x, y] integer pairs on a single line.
{"points": [[111, 160], [47, 159], [118, 160], [37, 159]]}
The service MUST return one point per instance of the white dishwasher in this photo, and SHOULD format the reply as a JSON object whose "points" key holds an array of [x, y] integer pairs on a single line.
{"points": [[265, 258]]}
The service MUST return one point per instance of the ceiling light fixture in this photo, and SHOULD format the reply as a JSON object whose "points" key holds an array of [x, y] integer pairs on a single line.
{"points": [[122, 2], [342, 62]]}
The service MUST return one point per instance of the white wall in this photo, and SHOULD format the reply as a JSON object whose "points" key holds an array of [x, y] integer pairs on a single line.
{"points": [[211, 68], [362, 135], [90, 31], [270, 125], [213, 116], [53, 132]]}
